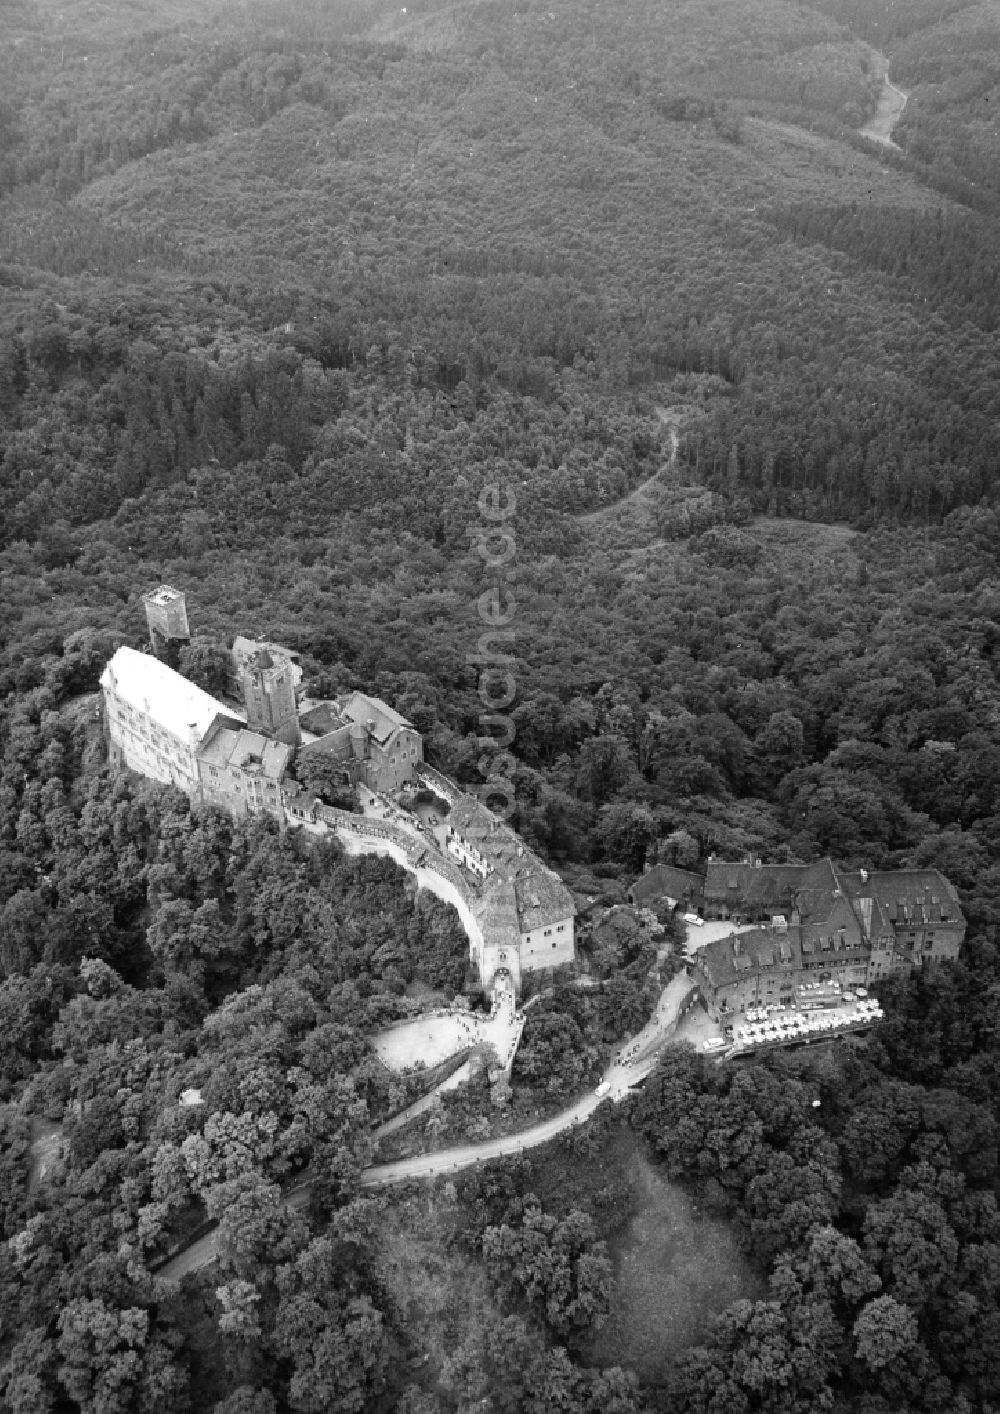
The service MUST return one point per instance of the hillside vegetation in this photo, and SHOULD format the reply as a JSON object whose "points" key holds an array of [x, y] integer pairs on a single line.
{"points": [[283, 290]]}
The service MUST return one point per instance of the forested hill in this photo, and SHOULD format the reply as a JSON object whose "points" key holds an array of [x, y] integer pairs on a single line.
{"points": [[494, 194], [284, 288]]}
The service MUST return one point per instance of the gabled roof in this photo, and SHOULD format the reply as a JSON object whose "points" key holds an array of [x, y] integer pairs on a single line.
{"points": [[916, 896], [538, 894], [169, 700], [248, 751], [497, 915], [664, 880], [475, 823], [728, 959], [322, 718], [774, 888], [383, 719], [541, 896]]}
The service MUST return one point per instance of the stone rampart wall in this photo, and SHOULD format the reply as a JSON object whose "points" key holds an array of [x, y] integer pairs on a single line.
{"points": [[436, 782], [393, 843]]}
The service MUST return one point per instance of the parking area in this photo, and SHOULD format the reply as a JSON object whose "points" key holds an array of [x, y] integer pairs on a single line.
{"points": [[698, 934]]}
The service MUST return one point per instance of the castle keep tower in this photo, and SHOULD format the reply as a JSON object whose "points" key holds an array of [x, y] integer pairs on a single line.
{"points": [[166, 615], [269, 697]]}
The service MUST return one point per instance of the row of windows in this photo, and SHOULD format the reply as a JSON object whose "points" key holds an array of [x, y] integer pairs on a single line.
{"points": [[405, 755], [137, 726]]}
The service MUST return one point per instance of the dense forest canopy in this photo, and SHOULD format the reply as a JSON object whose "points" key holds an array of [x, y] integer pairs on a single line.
{"points": [[283, 290]]}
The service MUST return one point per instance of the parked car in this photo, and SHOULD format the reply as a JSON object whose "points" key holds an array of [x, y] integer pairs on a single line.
{"points": [[714, 1043]]}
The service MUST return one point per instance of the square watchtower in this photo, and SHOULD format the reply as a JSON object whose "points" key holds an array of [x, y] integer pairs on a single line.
{"points": [[269, 696], [166, 615]]}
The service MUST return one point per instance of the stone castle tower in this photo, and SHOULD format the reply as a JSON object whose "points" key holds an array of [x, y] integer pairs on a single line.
{"points": [[166, 615], [269, 697]]}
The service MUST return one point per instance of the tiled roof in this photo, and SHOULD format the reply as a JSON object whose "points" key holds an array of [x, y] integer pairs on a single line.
{"points": [[540, 896], [248, 751], [169, 700], [471, 818], [907, 896], [321, 719], [497, 914], [248, 647], [665, 879], [722, 962], [774, 888], [384, 719]]}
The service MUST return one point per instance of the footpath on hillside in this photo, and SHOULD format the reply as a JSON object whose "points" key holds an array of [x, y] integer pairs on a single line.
{"points": [[643, 495], [630, 1067]]}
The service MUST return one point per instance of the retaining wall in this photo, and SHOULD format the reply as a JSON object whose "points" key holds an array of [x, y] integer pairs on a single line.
{"points": [[383, 841]]}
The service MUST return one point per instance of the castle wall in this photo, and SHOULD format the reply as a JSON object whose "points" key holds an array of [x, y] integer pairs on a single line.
{"points": [[434, 781], [381, 842], [551, 946], [144, 746], [211, 770], [241, 794]]}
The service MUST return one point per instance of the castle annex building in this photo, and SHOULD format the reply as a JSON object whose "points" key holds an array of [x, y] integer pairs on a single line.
{"points": [[820, 924], [517, 913]]}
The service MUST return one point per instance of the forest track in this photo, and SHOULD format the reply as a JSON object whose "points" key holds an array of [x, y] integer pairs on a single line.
{"points": [[640, 497], [891, 103], [889, 110]]}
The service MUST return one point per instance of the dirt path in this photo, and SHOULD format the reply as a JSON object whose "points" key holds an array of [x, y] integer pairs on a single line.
{"points": [[891, 103], [637, 1058], [640, 495]]}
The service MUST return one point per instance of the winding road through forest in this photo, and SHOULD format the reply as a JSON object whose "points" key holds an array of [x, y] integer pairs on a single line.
{"points": [[630, 1067]]}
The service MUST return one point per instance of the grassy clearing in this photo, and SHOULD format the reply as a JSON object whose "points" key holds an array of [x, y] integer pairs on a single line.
{"points": [[675, 1268]]}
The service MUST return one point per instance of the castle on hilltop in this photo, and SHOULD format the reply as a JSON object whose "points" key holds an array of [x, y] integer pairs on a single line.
{"points": [[517, 912]]}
